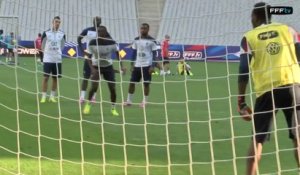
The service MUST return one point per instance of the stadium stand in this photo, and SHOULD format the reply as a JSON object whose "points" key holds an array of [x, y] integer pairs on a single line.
{"points": [[150, 11], [35, 16], [187, 22], [204, 22]]}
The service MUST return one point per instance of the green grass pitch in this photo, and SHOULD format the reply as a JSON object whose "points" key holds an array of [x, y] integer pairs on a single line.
{"points": [[190, 124]]}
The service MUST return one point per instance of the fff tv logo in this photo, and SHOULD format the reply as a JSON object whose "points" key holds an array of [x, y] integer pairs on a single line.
{"points": [[281, 10]]}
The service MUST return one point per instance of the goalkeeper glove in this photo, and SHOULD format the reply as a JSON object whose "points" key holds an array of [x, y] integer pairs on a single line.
{"points": [[243, 109]]}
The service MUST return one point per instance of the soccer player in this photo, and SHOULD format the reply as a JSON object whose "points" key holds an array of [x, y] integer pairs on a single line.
{"points": [[144, 49], [183, 68], [270, 53], [89, 34], [38, 46], [2, 43], [100, 61], [10, 45], [53, 41], [157, 62], [165, 54]]}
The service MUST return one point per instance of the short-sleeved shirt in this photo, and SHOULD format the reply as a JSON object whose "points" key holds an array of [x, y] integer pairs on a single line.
{"points": [[102, 50], [274, 62], [52, 45], [144, 47]]}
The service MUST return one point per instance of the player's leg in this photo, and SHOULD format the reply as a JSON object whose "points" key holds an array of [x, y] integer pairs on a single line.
{"points": [[84, 83], [41, 56], [109, 75], [254, 156], [291, 104], [93, 89], [56, 73], [136, 75], [188, 69], [262, 118], [9, 55], [146, 79], [159, 65], [166, 65], [47, 72], [289, 113]]}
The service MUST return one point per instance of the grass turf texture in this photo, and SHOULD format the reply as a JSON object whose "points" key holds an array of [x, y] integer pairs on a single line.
{"points": [[197, 129]]}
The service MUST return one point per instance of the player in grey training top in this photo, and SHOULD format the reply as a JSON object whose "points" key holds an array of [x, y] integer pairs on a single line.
{"points": [[144, 52], [100, 53]]}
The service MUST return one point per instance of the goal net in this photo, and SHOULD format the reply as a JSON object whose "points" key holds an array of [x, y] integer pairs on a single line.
{"points": [[190, 124]]}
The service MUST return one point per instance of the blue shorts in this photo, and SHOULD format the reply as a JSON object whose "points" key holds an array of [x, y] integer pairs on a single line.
{"points": [[139, 72], [53, 69], [86, 70]]}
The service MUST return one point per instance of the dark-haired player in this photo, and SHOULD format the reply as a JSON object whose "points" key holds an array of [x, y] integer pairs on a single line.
{"points": [[144, 50], [100, 52], [270, 53], [88, 34]]}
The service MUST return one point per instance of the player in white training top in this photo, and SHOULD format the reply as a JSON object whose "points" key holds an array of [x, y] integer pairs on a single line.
{"points": [[144, 52], [53, 41], [100, 53]]}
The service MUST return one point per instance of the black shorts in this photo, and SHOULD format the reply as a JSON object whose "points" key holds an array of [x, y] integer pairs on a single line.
{"points": [[86, 70], [108, 73], [53, 69], [264, 110], [139, 72], [10, 50], [166, 60]]}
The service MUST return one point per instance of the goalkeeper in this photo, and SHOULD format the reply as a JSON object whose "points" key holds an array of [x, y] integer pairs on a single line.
{"points": [[183, 68], [100, 53], [270, 52]]}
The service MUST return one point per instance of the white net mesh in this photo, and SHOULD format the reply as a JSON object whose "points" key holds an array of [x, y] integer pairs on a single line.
{"points": [[190, 125]]}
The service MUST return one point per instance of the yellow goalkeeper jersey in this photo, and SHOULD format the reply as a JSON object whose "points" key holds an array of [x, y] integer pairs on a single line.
{"points": [[181, 67], [274, 62]]}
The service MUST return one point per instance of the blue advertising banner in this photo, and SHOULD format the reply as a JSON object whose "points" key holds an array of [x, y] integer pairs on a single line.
{"points": [[176, 51]]}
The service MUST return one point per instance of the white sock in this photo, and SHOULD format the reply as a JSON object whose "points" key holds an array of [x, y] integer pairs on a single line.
{"points": [[113, 106], [44, 94], [162, 72], [52, 94], [129, 97], [94, 96], [82, 94], [145, 99]]}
